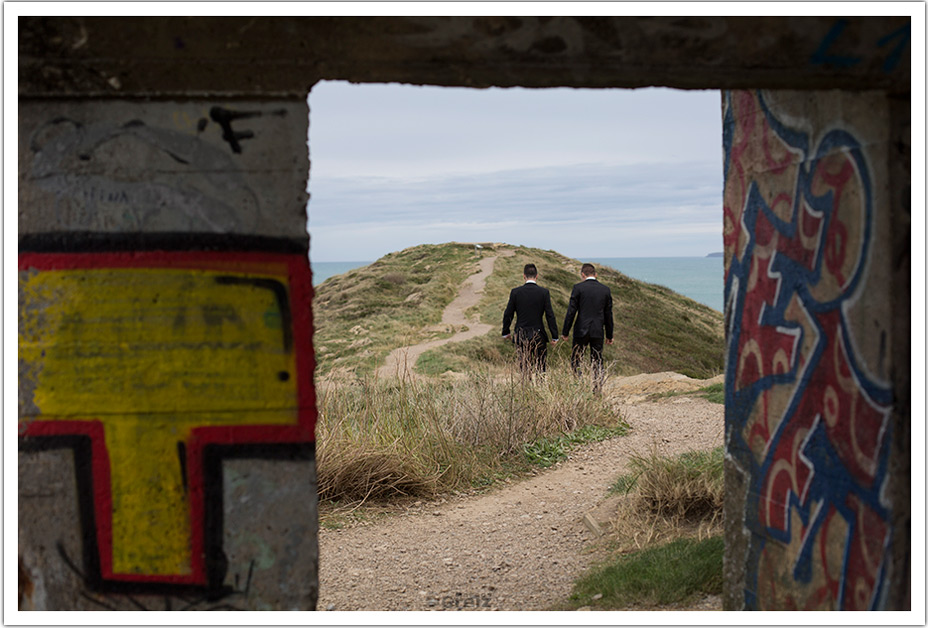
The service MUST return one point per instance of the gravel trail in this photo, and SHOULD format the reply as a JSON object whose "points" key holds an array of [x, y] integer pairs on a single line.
{"points": [[400, 361], [517, 547]]}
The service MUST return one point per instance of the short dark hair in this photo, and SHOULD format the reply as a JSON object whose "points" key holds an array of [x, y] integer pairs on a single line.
{"points": [[530, 271], [588, 270]]}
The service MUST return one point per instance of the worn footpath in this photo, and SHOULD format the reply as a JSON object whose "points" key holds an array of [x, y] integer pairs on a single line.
{"points": [[519, 546]]}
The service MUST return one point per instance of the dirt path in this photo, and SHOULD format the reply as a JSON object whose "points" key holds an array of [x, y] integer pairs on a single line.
{"points": [[519, 547], [400, 362]]}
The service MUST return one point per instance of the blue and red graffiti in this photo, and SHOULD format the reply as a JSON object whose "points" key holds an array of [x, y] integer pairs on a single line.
{"points": [[806, 415]]}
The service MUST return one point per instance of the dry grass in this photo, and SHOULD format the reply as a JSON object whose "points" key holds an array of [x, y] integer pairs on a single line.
{"points": [[688, 487], [666, 540], [378, 439], [635, 529], [667, 498]]}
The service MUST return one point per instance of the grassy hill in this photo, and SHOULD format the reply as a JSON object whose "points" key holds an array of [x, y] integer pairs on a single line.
{"points": [[398, 300], [364, 314]]}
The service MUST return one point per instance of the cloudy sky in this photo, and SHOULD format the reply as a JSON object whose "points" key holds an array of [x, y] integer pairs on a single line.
{"points": [[588, 173]]}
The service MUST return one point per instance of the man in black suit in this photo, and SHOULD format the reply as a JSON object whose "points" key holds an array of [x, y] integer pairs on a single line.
{"points": [[528, 303], [591, 303]]}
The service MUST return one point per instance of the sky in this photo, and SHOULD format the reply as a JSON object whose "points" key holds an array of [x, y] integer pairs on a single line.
{"points": [[587, 173]]}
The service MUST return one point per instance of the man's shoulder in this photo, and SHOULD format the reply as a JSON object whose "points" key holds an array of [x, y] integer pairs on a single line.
{"points": [[593, 285], [524, 289]]}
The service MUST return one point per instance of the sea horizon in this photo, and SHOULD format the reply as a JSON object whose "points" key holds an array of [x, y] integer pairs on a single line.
{"points": [[708, 255], [700, 278]]}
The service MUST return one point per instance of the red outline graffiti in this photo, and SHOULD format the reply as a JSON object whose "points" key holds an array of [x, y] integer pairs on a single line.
{"points": [[300, 294]]}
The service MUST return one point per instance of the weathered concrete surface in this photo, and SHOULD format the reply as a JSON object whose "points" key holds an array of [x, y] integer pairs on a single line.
{"points": [[166, 406], [118, 141], [287, 55], [187, 167], [271, 533], [269, 541], [812, 499], [900, 260]]}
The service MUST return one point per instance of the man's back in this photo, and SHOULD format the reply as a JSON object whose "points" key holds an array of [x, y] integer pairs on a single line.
{"points": [[591, 302], [529, 302]]}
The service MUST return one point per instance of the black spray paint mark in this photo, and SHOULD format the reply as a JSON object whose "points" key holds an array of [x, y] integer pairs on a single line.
{"points": [[107, 593], [95, 242], [225, 118], [280, 295], [182, 456]]}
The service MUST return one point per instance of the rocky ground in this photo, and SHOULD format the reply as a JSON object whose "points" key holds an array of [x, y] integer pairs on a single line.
{"points": [[519, 546]]}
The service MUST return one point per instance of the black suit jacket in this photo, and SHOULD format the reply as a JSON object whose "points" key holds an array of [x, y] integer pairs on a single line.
{"points": [[591, 303], [529, 302]]}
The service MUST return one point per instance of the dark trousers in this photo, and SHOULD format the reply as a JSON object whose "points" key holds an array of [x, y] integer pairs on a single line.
{"points": [[532, 351], [596, 357]]}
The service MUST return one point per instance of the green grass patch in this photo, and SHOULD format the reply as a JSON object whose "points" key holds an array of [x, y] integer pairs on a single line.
{"points": [[544, 452], [672, 574], [489, 351], [623, 484], [714, 393]]}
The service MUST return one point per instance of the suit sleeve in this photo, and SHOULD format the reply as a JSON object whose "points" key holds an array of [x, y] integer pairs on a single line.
{"points": [[549, 313], [607, 315], [571, 311], [510, 311]]}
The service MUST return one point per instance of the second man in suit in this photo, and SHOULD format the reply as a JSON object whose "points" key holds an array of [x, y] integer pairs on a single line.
{"points": [[591, 304], [529, 302]]}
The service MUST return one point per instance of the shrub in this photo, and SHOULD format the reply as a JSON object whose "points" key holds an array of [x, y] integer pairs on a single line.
{"points": [[668, 497], [397, 279], [382, 438], [689, 486]]}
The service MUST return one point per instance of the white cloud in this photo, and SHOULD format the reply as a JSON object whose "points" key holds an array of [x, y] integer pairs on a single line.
{"points": [[587, 171]]}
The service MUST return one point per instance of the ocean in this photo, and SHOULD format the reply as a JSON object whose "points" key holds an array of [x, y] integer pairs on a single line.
{"points": [[324, 270], [699, 278]]}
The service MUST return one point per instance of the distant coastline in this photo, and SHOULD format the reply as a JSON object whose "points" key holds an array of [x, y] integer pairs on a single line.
{"points": [[719, 254], [700, 278]]}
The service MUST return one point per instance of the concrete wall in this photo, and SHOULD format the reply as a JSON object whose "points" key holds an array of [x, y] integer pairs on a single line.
{"points": [[285, 56], [124, 166], [811, 493], [166, 403], [161, 209]]}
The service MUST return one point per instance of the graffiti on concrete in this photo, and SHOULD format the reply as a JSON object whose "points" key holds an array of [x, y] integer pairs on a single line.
{"points": [[825, 54], [901, 37], [154, 366], [806, 409], [212, 600], [225, 117], [90, 168]]}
